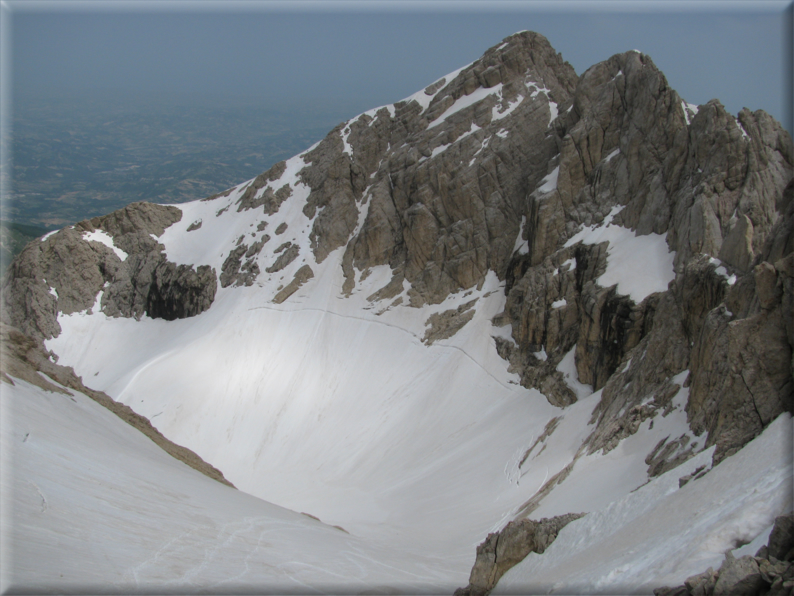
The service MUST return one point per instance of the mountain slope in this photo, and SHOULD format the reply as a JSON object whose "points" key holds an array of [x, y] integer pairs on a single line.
{"points": [[516, 293]]}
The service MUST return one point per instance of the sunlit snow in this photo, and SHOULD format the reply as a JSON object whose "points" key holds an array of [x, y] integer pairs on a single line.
{"points": [[337, 406], [104, 238], [691, 527], [465, 101], [638, 265]]}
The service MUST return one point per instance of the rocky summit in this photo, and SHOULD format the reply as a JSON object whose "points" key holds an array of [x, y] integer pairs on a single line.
{"points": [[549, 313]]}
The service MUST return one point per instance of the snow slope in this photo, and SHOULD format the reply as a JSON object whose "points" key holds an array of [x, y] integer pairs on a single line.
{"points": [[94, 506], [335, 405], [660, 534]]}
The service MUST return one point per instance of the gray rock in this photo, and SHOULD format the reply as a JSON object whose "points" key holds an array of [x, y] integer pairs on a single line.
{"points": [[77, 270], [238, 273], [739, 577], [702, 584], [781, 540], [737, 249], [301, 276], [502, 550], [252, 198], [446, 324], [289, 254], [179, 291]]}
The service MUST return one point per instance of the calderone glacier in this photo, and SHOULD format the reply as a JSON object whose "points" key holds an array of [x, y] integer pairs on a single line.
{"points": [[523, 331]]}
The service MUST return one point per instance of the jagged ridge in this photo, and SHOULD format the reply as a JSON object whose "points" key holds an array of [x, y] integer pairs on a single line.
{"points": [[513, 167]]}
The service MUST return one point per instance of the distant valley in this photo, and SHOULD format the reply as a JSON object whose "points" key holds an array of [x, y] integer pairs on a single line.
{"points": [[74, 160]]}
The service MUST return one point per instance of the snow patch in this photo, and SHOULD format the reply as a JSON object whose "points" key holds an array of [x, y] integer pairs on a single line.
{"points": [[722, 271], [345, 133], [553, 112], [549, 182], [638, 265], [441, 148], [423, 99], [521, 245], [690, 109], [496, 114], [567, 367], [465, 101], [745, 136], [107, 240]]}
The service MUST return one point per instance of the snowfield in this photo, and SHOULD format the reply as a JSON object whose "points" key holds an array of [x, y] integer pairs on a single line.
{"points": [[366, 457], [334, 406], [97, 507]]}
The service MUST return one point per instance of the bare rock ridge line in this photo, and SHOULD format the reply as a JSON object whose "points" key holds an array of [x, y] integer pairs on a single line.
{"points": [[25, 358], [513, 166]]}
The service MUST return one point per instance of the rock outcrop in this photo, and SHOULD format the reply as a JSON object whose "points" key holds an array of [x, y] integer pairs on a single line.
{"points": [[504, 549], [114, 260], [554, 182]]}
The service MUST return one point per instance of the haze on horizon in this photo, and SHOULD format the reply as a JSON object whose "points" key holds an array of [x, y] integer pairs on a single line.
{"points": [[369, 54]]}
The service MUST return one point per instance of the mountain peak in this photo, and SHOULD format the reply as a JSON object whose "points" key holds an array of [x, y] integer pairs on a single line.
{"points": [[539, 290]]}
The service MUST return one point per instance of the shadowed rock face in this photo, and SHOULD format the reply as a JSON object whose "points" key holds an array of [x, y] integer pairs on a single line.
{"points": [[178, 292]]}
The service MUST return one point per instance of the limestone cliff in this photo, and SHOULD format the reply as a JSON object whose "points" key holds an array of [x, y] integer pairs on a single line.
{"points": [[646, 240]]}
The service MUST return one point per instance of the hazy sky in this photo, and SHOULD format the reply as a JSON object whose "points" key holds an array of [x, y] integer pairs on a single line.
{"points": [[379, 52]]}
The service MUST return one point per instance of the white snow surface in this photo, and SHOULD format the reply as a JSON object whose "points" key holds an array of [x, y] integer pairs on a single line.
{"points": [[549, 182], [638, 265], [332, 405], [107, 240], [689, 107], [98, 507], [465, 101], [262, 390], [610, 547], [567, 367]]}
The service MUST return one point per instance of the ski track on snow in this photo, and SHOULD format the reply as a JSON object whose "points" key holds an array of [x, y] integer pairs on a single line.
{"points": [[385, 324]]}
